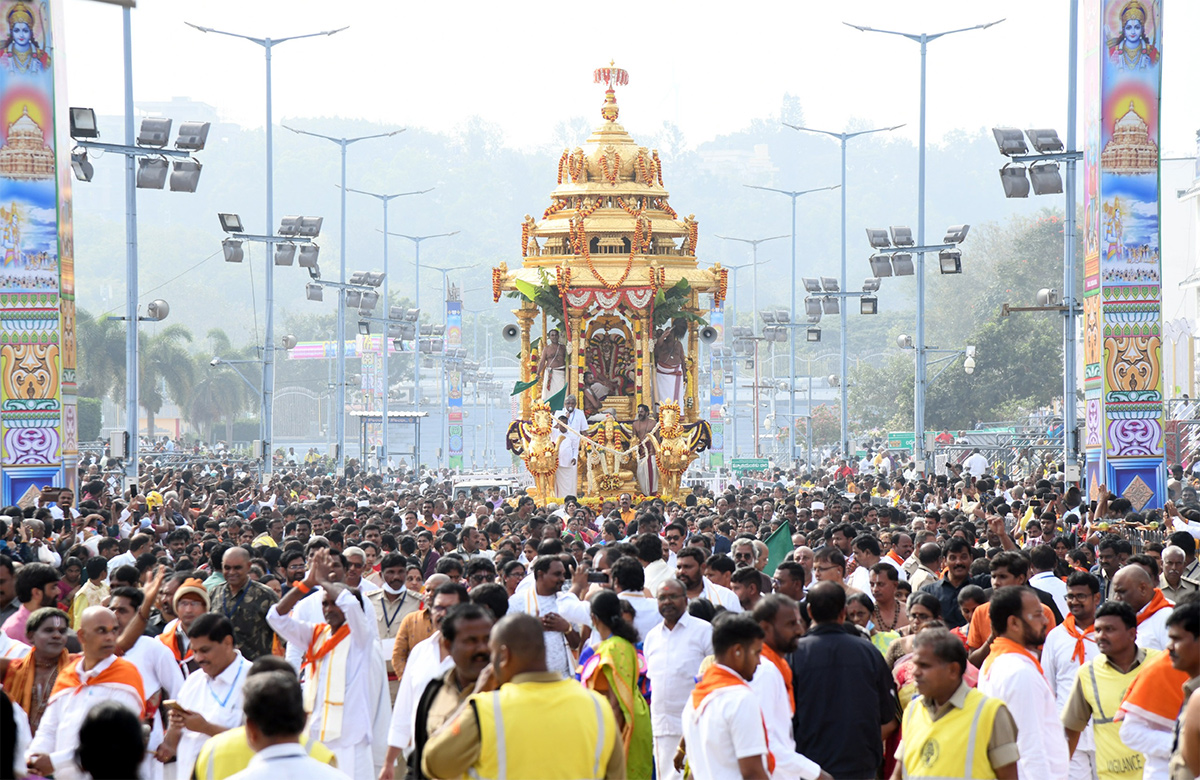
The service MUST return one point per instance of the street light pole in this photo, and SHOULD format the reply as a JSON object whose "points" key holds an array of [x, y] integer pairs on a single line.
{"points": [[919, 383], [131, 270], [1070, 437], [341, 315], [268, 384], [845, 400], [385, 199]]}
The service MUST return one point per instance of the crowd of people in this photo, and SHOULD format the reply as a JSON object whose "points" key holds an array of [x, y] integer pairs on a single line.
{"points": [[212, 625]]}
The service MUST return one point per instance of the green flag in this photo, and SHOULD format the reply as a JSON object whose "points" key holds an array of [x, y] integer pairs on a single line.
{"points": [[779, 544], [557, 400], [521, 387]]}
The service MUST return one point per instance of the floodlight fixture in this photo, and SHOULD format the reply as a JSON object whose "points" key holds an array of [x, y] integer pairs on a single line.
{"points": [[314, 273], [868, 304], [314, 292], [879, 238], [308, 255], [831, 305], [364, 328], [154, 132], [289, 226], [1046, 179], [233, 250], [152, 173], [902, 236], [285, 254], [309, 227], [870, 285], [902, 264], [158, 310], [353, 298], [829, 283], [79, 163], [373, 279], [881, 265], [439, 330], [956, 234], [1047, 296], [192, 136], [783, 316], [1012, 176], [811, 284], [411, 315], [768, 316], [812, 307], [1010, 140], [83, 123], [231, 223], [904, 341], [950, 261], [369, 299], [185, 175], [1045, 140], [813, 335], [743, 332]]}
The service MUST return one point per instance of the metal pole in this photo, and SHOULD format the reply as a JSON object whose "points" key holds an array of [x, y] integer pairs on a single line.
{"points": [[809, 428], [756, 431], [733, 366], [1070, 439], [386, 343], [341, 338], [131, 269], [268, 387], [792, 342], [417, 351], [844, 422], [919, 388]]}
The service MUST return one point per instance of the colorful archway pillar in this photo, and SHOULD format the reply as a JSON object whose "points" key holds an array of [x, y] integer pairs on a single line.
{"points": [[38, 440], [1121, 84]]}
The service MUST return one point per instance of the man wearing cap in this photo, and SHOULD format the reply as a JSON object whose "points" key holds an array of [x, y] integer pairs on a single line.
{"points": [[190, 602]]}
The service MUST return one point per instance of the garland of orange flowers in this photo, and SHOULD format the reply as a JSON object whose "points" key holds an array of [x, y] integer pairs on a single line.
{"points": [[575, 165], [497, 281], [562, 161], [662, 205], [562, 277], [647, 177], [611, 176], [657, 167], [556, 206], [722, 286], [693, 237], [524, 239], [579, 245], [658, 278]]}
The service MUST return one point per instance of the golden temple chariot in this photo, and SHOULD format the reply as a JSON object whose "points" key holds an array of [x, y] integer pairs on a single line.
{"points": [[610, 267]]}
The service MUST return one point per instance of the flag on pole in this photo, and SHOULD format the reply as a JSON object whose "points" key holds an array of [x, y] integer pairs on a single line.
{"points": [[779, 544]]}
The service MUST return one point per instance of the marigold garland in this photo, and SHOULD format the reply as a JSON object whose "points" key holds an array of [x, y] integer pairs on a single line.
{"points": [[579, 245], [556, 206], [562, 162], [693, 236], [657, 167], [611, 176], [722, 286], [497, 281], [575, 165], [524, 239]]}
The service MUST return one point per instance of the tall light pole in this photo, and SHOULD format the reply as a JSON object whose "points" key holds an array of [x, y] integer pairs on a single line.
{"points": [[385, 199], [340, 424], [793, 194], [919, 383], [445, 409], [844, 397], [131, 271], [417, 305], [733, 271], [268, 384]]}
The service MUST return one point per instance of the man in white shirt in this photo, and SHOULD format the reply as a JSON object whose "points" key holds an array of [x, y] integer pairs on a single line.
{"points": [[779, 618], [97, 677], [976, 464], [356, 562], [1042, 561], [210, 700], [140, 543], [558, 612], [1133, 585], [674, 650], [275, 719], [650, 555], [566, 478], [723, 730], [576, 420], [1013, 674], [1067, 647], [628, 581], [689, 569]]}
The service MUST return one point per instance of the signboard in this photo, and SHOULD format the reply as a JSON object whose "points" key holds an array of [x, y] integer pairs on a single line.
{"points": [[901, 441], [743, 465]]}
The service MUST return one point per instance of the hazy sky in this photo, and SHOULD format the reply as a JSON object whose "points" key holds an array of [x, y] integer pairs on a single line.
{"points": [[710, 67]]}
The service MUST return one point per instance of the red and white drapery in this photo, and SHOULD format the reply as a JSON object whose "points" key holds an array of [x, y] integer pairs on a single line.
{"points": [[608, 300]]}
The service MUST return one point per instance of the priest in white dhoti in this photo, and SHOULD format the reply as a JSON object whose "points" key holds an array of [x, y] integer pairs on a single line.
{"points": [[647, 458], [552, 366], [336, 674], [669, 362], [566, 478]]}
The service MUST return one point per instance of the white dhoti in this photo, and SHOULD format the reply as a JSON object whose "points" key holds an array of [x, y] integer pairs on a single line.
{"points": [[647, 470], [553, 380], [566, 477], [668, 384], [665, 746]]}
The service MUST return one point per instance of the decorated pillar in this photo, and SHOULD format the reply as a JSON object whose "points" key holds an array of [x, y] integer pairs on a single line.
{"points": [[525, 316], [716, 390], [576, 355], [1121, 84], [38, 438], [454, 418]]}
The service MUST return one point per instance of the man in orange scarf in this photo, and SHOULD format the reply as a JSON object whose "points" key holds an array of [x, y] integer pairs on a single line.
{"points": [[96, 677], [1068, 646], [29, 680], [724, 733], [779, 618], [1133, 585], [1013, 674]]}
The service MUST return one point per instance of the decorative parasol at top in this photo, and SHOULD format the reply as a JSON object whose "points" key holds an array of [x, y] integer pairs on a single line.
{"points": [[613, 77]]}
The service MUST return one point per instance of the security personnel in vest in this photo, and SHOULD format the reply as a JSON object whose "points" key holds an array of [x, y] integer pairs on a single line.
{"points": [[228, 753], [1100, 685], [526, 722], [952, 730]]}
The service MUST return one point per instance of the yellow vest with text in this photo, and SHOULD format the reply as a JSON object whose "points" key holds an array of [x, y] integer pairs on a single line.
{"points": [[228, 753], [545, 730], [1103, 689], [955, 745]]}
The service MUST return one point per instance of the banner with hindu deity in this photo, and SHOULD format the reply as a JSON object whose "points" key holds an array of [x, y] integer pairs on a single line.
{"points": [[38, 445], [454, 418], [1122, 78], [716, 391]]}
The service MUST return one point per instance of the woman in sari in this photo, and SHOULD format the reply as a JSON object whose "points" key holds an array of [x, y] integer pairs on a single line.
{"points": [[613, 672]]}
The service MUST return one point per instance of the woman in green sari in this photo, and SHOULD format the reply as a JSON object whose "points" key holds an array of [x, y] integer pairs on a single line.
{"points": [[613, 672]]}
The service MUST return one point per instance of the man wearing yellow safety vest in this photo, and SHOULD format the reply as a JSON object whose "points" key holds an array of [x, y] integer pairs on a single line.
{"points": [[526, 722], [951, 730], [1100, 685]]}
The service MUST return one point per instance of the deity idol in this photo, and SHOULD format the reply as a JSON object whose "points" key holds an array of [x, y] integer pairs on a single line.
{"points": [[21, 53], [1132, 50]]}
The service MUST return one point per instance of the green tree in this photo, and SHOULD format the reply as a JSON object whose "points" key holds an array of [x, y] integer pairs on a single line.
{"points": [[219, 393], [100, 344], [167, 369]]}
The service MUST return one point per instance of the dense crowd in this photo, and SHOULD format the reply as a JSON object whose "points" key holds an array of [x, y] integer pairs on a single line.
{"points": [[854, 622]]}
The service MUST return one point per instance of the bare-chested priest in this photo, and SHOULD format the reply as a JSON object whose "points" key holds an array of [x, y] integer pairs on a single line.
{"points": [[647, 459], [552, 366], [668, 363]]}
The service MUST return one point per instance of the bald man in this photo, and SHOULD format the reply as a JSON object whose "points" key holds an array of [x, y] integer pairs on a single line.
{"points": [[98, 676], [1132, 585], [245, 602]]}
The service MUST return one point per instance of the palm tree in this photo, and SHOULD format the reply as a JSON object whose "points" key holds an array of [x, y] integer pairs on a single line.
{"points": [[100, 345], [166, 369], [219, 394]]}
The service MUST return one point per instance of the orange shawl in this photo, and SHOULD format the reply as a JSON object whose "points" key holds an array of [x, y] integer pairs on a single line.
{"points": [[784, 670], [313, 655], [1080, 653], [18, 681], [1157, 693], [717, 677], [119, 674], [1157, 604], [899, 561], [1004, 646]]}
